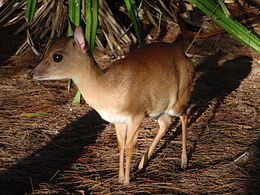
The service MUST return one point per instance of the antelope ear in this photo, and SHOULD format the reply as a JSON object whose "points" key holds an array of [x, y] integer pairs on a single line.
{"points": [[80, 39]]}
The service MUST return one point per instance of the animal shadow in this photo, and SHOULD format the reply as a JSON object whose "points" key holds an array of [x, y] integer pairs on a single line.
{"points": [[58, 155], [216, 81]]}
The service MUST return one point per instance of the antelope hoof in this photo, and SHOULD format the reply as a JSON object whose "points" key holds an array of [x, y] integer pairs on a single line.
{"points": [[141, 165], [184, 164], [126, 182], [121, 180]]}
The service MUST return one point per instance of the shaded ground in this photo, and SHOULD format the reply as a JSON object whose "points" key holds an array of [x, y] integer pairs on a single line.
{"points": [[70, 148]]}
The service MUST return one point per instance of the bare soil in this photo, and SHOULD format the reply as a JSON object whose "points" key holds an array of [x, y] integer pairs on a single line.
{"points": [[48, 146]]}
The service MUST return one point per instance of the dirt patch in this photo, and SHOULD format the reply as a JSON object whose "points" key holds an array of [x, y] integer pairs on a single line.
{"points": [[48, 146]]}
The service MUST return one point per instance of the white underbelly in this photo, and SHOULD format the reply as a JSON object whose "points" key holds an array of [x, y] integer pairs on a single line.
{"points": [[114, 117], [169, 112]]}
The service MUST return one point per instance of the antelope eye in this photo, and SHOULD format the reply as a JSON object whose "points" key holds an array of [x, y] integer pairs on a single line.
{"points": [[57, 57]]}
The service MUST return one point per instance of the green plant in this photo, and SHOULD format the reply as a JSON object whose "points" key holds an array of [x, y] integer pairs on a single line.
{"points": [[91, 22], [131, 7], [30, 9], [220, 15], [74, 16]]}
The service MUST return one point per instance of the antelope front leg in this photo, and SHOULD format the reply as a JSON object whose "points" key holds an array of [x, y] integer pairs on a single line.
{"points": [[121, 137], [184, 158]]}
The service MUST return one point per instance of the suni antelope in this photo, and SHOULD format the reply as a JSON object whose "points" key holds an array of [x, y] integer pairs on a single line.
{"points": [[154, 80]]}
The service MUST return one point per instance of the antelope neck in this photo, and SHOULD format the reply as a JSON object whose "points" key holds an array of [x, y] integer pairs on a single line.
{"points": [[89, 82], [88, 73]]}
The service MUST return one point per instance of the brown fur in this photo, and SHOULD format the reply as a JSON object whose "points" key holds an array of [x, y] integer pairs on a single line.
{"points": [[153, 80]]}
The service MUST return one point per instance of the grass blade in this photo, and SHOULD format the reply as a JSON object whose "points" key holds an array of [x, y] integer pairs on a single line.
{"points": [[74, 11], [77, 12], [131, 7], [94, 24], [30, 9], [31, 115], [74, 15], [236, 29], [77, 98], [89, 20], [224, 8]]}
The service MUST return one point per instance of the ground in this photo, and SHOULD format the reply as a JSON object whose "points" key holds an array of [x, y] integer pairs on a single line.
{"points": [[49, 146]]}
